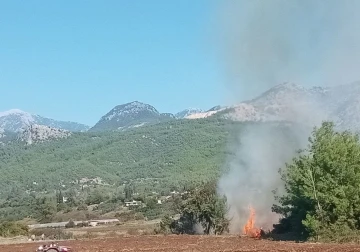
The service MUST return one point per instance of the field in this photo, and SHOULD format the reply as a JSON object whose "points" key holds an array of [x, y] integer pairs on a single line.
{"points": [[184, 243]]}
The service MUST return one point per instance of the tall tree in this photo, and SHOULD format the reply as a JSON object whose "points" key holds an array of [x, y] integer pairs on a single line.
{"points": [[322, 186], [59, 197], [46, 208], [203, 206]]}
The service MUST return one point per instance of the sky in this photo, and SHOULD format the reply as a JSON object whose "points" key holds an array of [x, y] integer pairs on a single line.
{"points": [[76, 60]]}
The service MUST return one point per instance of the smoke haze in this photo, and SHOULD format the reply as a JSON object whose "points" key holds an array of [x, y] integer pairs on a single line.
{"points": [[260, 150], [309, 42]]}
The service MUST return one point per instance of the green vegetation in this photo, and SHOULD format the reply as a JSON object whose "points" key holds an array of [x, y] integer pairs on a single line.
{"points": [[93, 174], [322, 199], [200, 206], [8, 229], [161, 157], [173, 153], [175, 163]]}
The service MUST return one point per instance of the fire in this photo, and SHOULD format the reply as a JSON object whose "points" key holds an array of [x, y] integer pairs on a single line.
{"points": [[249, 228]]}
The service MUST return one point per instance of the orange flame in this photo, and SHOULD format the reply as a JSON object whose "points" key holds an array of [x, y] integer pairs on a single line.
{"points": [[249, 228]]}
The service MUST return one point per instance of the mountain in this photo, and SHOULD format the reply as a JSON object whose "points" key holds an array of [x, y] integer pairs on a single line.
{"points": [[293, 102], [130, 115], [187, 112], [14, 120], [39, 133]]}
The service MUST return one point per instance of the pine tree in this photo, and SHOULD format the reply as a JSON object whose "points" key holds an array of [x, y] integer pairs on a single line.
{"points": [[322, 186]]}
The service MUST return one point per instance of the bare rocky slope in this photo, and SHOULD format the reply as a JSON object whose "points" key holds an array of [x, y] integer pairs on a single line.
{"points": [[39, 133], [292, 102]]}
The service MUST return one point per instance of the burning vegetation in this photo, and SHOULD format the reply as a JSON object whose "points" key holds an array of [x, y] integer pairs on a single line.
{"points": [[249, 228]]}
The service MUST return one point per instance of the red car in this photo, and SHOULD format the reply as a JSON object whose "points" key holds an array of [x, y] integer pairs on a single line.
{"points": [[53, 248]]}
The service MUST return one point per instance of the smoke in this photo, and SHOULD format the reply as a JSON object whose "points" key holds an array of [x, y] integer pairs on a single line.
{"points": [[198, 229], [260, 150], [310, 42]]}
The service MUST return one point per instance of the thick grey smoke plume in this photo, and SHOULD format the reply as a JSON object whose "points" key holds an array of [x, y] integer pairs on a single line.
{"points": [[260, 151], [309, 42]]}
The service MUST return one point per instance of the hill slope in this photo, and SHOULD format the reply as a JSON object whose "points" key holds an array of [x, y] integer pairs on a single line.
{"points": [[177, 152]]}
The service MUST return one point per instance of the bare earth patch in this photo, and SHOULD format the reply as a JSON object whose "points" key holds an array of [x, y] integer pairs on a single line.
{"points": [[185, 243]]}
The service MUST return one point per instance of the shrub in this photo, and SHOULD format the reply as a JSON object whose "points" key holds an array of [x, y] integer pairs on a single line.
{"points": [[82, 207], [133, 231], [70, 224], [9, 229], [139, 216], [202, 206], [125, 216]]}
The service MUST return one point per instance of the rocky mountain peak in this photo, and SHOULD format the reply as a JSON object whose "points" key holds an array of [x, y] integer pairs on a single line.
{"points": [[132, 114], [131, 109], [15, 119]]}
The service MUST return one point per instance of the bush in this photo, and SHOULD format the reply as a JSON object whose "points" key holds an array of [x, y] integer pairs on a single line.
{"points": [[139, 216], [107, 207], [9, 229], [70, 224], [91, 216], [202, 206], [63, 207], [82, 207], [165, 225], [125, 216], [133, 231]]}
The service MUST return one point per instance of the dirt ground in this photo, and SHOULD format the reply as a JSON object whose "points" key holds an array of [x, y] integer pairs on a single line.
{"points": [[184, 243]]}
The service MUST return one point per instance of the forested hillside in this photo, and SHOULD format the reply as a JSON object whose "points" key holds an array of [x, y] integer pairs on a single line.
{"points": [[171, 153], [175, 152]]}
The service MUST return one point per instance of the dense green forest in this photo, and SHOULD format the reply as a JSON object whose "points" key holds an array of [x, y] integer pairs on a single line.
{"points": [[177, 152], [174, 153]]}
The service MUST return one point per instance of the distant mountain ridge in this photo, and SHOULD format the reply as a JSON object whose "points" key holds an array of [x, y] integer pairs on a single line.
{"points": [[283, 102], [293, 102], [15, 120]]}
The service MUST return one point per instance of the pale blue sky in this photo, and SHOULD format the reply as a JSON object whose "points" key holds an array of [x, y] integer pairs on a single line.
{"points": [[76, 60]]}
